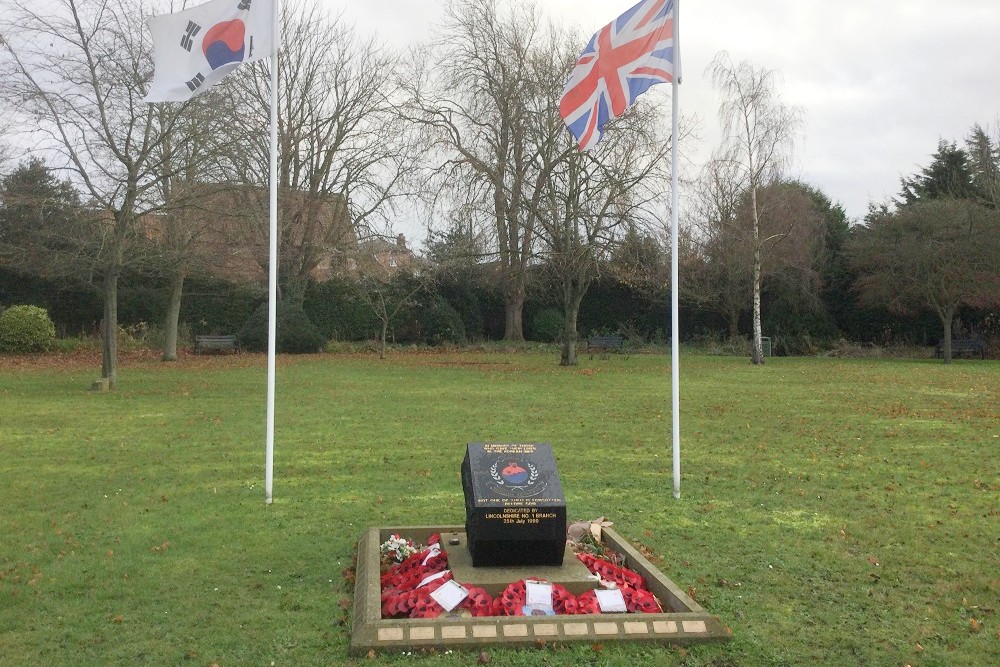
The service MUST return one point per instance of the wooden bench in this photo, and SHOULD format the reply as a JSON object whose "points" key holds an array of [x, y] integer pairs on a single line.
{"points": [[960, 345], [605, 344], [220, 343]]}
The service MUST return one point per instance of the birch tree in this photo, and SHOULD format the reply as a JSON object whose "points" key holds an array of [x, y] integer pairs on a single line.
{"points": [[758, 134]]}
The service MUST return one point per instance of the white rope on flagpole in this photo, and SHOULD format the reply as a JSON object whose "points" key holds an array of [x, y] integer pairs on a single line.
{"points": [[675, 355], [272, 278]]}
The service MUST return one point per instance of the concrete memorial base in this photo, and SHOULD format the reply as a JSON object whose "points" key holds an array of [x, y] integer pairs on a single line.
{"points": [[572, 573], [685, 621]]}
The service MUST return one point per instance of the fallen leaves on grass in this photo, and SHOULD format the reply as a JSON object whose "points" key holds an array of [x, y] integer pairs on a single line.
{"points": [[484, 658], [160, 548], [975, 625], [648, 553]]}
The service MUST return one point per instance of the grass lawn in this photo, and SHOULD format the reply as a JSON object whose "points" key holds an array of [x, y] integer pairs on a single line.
{"points": [[833, 512]]}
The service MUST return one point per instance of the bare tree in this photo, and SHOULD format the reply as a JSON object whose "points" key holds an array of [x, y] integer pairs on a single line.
{"points": [[184, 229], [386, 290], [758, 135], [343, 148], [476, 97], [590, 202], [721, 279], [78, 70]]}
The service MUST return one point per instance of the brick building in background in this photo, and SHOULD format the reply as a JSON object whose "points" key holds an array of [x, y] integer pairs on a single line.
{"points": [[224, 229]]}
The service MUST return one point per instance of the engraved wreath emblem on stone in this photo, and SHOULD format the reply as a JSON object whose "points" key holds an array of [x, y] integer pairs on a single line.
{"points": [[514, 474]]}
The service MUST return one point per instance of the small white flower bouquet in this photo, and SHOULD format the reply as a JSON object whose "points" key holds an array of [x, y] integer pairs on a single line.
{"points": [[397, 549]]}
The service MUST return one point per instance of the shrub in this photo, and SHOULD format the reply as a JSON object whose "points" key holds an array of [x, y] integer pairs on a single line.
{"points": [[338, 311], [441, 323], [547, 325], [296, 332], [26, 329], [464, 298]]}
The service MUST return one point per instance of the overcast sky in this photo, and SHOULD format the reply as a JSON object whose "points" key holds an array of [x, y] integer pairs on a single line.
{"points": [[879, 81]]}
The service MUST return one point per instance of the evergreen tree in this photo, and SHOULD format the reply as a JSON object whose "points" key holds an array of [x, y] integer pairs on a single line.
{"points": [[38, 216], [949, 175], [984, 165]]}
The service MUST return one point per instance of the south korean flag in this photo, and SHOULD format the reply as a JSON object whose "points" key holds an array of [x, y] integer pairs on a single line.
{"points": [[195, 49]]}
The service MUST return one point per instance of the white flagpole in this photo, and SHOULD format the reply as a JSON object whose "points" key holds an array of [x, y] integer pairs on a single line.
{"points": [[675, 354], [272, 279]]}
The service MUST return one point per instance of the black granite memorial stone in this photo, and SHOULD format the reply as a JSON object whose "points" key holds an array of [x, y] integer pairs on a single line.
{"points": [[515, 511]]}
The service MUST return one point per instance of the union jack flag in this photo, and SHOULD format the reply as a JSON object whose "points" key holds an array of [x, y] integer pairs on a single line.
{"points": [[622, 60]]}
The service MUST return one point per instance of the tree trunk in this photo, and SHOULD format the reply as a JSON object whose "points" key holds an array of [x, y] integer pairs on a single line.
{"points": [[513, 324], [109, 343], [757, 354], [173, 316], [571, 310], [382, 336]]}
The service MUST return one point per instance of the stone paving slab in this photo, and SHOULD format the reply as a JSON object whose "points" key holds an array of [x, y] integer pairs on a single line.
{"points": [[685, 622]]}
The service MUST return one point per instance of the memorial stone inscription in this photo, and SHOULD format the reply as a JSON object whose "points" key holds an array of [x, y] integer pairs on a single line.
{"points": [[515, 511]]}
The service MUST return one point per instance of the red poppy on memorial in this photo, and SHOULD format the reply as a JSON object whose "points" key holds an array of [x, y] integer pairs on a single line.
{"points": [[586, 603], [478, 602], [510, 602], [512, 599], [408, 574], [425, 606], [640, 601], [610, 572]]}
